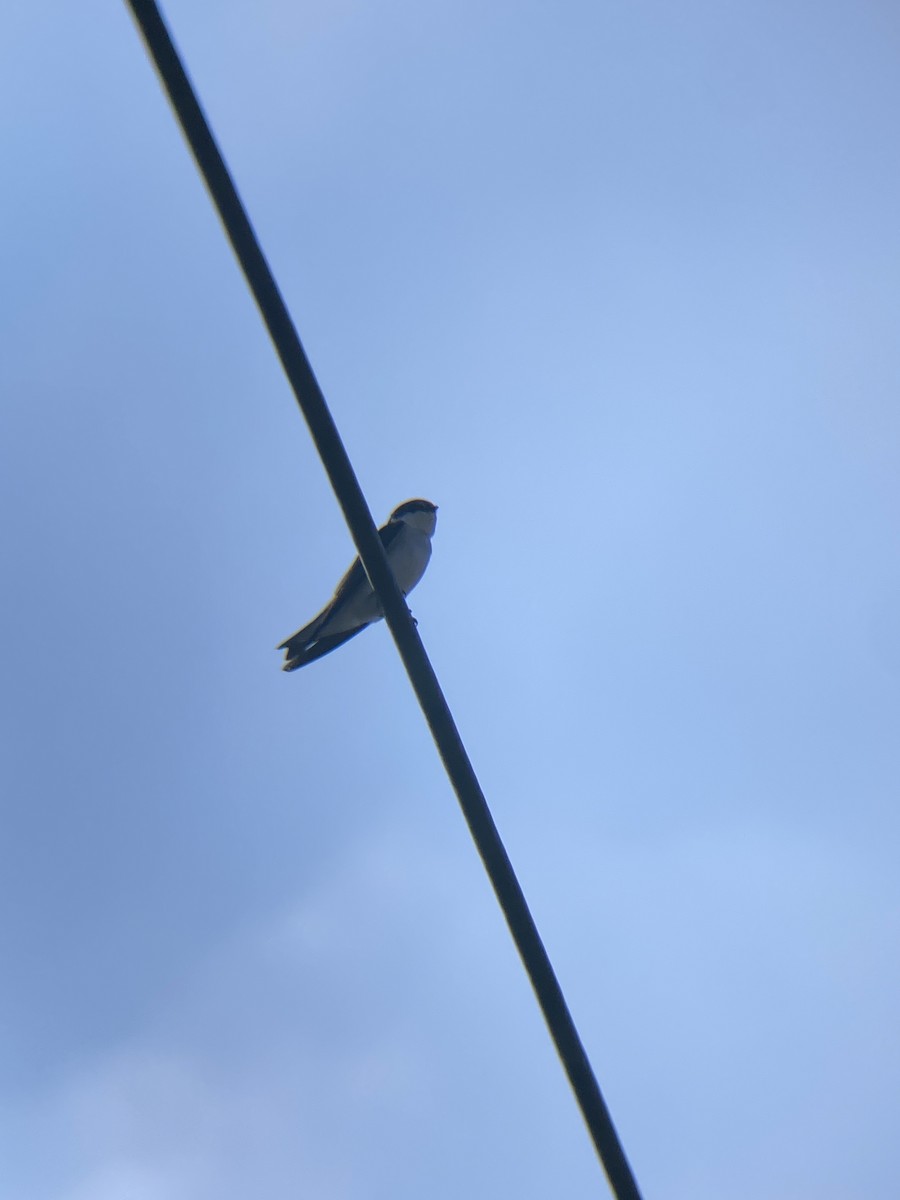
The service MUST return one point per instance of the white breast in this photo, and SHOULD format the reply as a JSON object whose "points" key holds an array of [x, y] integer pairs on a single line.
{"points": [[409, 557]]}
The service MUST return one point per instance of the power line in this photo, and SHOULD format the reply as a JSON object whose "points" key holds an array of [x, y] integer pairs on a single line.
{"points": [[362, 528]]}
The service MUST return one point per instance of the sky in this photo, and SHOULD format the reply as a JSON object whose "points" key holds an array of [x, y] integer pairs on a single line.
{"points": [[618, 288]]}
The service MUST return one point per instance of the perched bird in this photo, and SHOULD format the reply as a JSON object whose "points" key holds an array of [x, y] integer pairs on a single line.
{"points": [[407, 542]]}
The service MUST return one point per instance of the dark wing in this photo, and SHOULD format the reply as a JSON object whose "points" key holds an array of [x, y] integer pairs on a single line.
{"points": [[356, 576]]}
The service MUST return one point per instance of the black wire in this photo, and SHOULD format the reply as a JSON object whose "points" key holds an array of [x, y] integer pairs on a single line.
{"points": [[412, 652]]}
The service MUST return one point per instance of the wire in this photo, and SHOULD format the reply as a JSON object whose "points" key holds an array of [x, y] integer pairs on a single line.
{"points": [[412, 652]]}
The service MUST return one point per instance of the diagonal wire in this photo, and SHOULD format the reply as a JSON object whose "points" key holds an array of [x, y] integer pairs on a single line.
{"points": [[421, 674]]}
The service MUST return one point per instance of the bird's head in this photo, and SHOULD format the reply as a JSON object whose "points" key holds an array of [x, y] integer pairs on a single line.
{"points": [[418, 514]]}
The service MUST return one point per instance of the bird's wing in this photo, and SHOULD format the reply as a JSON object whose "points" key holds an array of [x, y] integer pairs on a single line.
{"points": [[356, 575]]}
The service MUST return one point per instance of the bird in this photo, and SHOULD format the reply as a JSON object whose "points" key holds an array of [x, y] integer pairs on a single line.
{"points": [[407, 542]]}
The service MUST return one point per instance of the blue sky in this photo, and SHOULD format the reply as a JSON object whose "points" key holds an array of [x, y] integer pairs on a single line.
{"points": [[615, 286]]}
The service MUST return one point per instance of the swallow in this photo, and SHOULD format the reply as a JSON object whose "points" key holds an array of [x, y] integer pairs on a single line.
{"points": [[407, 542]]}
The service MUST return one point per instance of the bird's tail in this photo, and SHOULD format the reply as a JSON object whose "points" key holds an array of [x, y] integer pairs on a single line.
{"points": [[303, 638], [308, 651]]}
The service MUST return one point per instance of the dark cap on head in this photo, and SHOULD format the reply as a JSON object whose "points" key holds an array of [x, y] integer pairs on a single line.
{"points": [[412, 506]]}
